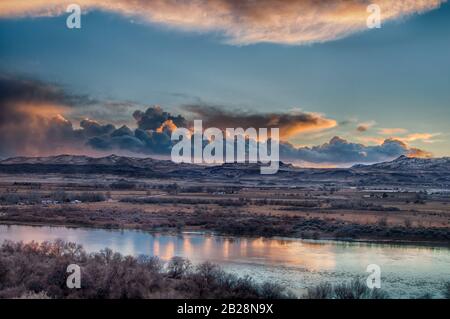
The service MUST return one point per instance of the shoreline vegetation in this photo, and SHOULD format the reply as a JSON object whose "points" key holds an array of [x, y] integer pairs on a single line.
{"points": [[202, 231], [227, 221], [39, 271]]}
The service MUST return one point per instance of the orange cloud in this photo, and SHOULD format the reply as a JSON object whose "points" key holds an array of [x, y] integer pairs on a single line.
{"points": [[415, 152], [411, 151], [392, 131], [418, 137], [371, 140], [424, 137], [241, 22], [168, 125], [35, 129], [290, 124], [318, 123], [364, 127]]}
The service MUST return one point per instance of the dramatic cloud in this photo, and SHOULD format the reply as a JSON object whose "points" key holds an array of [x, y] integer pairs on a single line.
{"points": [[23, 90], [399, 134], [241, 21], [154, 118], [290, 124], [415, 152], [364, 127], [93, 128], [33, 122], [340, 152]]}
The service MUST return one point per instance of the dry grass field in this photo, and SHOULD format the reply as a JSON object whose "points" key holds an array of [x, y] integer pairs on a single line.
{"points": [[175, 205]]}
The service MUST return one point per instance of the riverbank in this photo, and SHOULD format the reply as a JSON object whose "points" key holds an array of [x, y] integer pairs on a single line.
{"points": [[224, 222], [225, 235]]}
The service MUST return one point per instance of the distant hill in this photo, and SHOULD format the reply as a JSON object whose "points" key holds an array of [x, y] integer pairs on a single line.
{"points": [[401, 171], [76, 164], [405, 163], [80, 160]]}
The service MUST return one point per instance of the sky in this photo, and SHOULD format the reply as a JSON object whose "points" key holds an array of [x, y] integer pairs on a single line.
{"points": [[341, 92]]}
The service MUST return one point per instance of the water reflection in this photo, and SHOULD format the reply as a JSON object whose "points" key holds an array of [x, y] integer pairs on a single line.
{"points": [[296, 263]]}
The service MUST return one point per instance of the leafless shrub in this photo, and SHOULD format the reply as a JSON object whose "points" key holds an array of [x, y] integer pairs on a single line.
{"points": [[322, 291], [34, 295], [64, 197], [447, 290], [39, 271], [408, 223], [382, 222], [178, 267], [355, 289]]}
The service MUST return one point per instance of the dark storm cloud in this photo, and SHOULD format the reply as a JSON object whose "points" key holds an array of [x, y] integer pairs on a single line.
{"points": [[15, 89], [139, 141], [151, 137], [26, 126], [93, 128], [122, 131], [362, 128], [154, 117], [289, 124], [32, 123], [340, 151]]}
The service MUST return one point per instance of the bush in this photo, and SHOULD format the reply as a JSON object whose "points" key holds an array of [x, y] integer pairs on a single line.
{"points": [[447, 290], [90, 197], [16, 198], [34, 295], [271, 291], [60, 196], [382, 222], [39, 271], [355, 289], [123, 184], [178, 267], [322, 291], [63, 197]]}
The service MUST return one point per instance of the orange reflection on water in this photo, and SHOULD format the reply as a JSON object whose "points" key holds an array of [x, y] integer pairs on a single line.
{"points": [[156, 251], [168, 250], [296, 254], [307, 255], [187, 246]]}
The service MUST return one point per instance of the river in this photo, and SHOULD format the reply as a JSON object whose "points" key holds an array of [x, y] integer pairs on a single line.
{"points": [[407, 271]]}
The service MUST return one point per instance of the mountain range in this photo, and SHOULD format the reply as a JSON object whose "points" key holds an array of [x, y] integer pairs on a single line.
{"points": [[434, 172]]}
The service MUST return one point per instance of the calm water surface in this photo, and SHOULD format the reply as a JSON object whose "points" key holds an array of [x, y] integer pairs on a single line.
{"points": [[407, 271]]}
